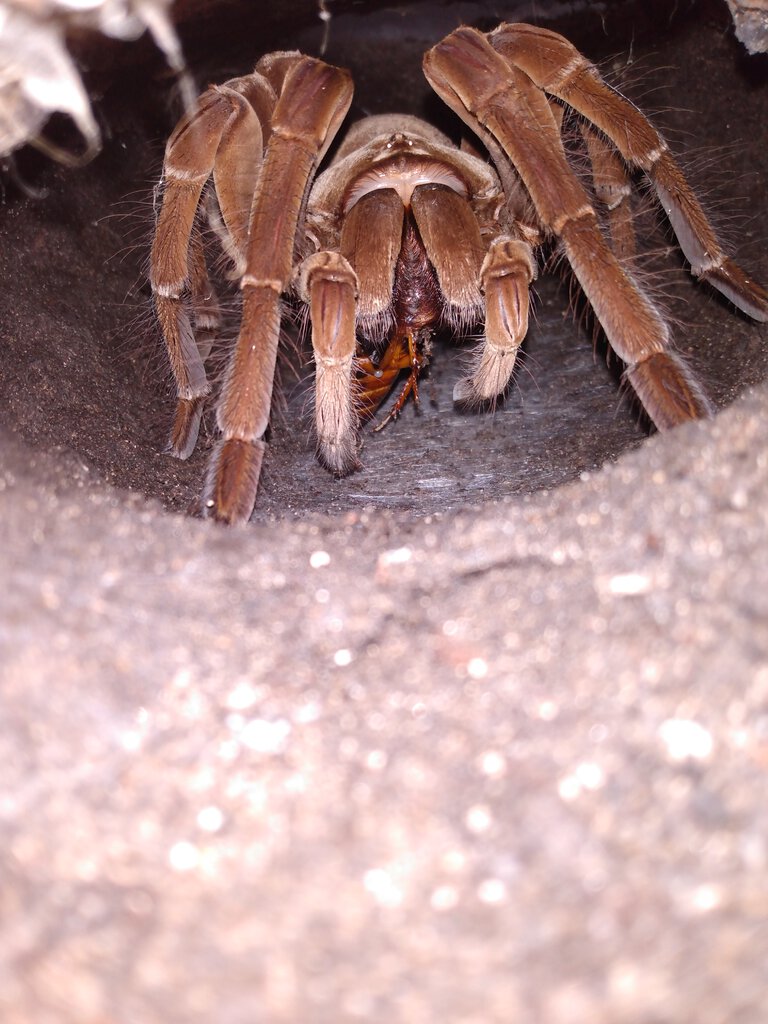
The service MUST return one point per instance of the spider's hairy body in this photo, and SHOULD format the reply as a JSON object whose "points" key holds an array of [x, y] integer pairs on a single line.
{"points": [[403, 233]]}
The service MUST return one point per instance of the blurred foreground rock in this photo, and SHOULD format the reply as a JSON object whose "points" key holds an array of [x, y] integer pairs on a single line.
{"points": [[470, 768]]}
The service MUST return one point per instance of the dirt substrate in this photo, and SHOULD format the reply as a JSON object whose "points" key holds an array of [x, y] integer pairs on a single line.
{"points": [[476, 735]]}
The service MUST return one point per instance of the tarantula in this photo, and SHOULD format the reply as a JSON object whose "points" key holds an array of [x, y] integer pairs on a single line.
{"points": [[404, 231]]}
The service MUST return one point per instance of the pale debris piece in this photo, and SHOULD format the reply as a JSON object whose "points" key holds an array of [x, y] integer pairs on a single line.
{"points": [[750, 19], [38, 76]]}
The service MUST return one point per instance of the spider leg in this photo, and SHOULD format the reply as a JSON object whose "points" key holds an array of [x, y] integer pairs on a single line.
{"points": [[613, 189], [313, 100], [221, 130], [329, 284], [206, 312], [506, 274], [558, 68], [503, 105], [610, 184], [452, 238], [206, 317]]}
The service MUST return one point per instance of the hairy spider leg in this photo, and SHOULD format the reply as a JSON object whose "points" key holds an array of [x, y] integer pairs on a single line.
{"points": [[513, 117], [556, 66]]}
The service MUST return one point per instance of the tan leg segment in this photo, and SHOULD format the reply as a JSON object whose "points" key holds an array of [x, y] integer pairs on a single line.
{"points": [[498, 98], [169, 280], [206, 317], [311, 106], [506, 277], [206, 312], [451, 236], [236, 173], [329, 284], [613, 189], [557, 67], [177, 263]]}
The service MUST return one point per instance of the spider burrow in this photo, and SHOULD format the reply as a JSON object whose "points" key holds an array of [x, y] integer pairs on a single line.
{"points": [[404, 231]]}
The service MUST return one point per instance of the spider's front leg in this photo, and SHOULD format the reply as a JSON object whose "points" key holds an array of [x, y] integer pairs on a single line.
{"points": [[344, 288], [503, 270], [506, 274], [329, 285], [313, 100], [513, 117]]}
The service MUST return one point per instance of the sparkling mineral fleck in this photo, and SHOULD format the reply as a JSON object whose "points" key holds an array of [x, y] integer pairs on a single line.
{"points": [[380, 884], [243, 695], [477, 668], [319, 559], [210, 819], [264, 736], [492, 891], [183, 856], [706, 898], [686, 739], [493, 764], [629, 583], [396, 556], [445, 897], [478, 819], [590, 775]]}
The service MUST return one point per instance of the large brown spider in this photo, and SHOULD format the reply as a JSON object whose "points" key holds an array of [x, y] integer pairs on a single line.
{"points": [[404, 231]]}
